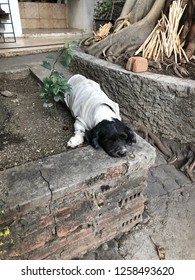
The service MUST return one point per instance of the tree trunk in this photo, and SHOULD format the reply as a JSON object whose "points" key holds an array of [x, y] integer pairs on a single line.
{"points": [[131, 37], [188, 34], [190, 48], [135, 10]]}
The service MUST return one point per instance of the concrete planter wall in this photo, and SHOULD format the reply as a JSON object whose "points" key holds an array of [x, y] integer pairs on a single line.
{"points": [[164, 103]]}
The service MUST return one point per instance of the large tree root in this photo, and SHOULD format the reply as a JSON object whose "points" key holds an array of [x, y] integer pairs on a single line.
{"points": [[155, 141], [174, 155], [121, 23], [189, 166], [178, 69]]}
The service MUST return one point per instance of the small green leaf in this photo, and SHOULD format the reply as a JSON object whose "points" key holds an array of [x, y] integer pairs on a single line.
{"points": [[56, 74], [46, 65], [57, 98], [46, 80], [65, 54], [66, 45], [68, 59], [46, 86], [42, 94], [47, 105], [62, 81], [68, 89], [74, 43], [54, 79], [64, 64], [50, 56], [70, 52], [56, 89]]}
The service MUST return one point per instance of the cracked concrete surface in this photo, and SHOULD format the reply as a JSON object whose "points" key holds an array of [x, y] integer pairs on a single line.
{"points": [[51, 208], [169, 220]]}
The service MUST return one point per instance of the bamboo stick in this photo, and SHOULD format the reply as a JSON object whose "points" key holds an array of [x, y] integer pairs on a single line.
{"points": [[164, 40]]}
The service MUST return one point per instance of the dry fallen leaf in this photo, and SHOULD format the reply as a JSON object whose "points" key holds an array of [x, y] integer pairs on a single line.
{"points": [[161, 252], [159, 249]]}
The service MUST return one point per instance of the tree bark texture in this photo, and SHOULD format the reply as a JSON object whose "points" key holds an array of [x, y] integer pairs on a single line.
{"points": [[131, 37]]}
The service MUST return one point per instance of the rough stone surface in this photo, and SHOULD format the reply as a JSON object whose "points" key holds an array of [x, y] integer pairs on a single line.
{"points": [[137, 64], [166, 103], [60, 207]]}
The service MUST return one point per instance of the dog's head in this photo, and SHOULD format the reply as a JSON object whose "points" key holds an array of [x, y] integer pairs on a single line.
{"points": [[112, 136]]}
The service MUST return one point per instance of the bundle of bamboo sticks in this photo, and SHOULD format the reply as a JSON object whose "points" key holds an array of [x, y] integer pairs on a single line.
{"points": [[164, 40]]}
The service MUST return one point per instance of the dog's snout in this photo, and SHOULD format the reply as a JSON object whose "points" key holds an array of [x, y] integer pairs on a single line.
{"points": [[122, 152]]}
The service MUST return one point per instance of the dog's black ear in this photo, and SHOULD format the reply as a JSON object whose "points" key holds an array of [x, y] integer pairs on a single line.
{"points": [[123, 136], [125, 133], [131, 137], [92, 137]]}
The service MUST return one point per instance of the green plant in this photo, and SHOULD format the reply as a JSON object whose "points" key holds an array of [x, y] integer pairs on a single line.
{"points": [[108, 9], [103, 9], [55, 85]]}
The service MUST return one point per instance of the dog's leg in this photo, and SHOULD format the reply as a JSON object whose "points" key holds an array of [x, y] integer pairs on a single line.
{"points": [[79, 133]]}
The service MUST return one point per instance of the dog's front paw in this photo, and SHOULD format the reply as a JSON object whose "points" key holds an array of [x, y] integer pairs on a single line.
{"points": [[75, 141], [72, 143]]}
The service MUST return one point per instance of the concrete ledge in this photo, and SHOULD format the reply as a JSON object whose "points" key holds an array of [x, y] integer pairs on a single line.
{"points": [[65, 205], [165, 103]]}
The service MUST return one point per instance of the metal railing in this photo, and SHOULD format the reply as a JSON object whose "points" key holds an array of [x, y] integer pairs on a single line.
{"points": [[7, 34]]}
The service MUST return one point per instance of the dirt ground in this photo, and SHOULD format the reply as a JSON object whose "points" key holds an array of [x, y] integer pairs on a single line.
{"points": [[184, 70], [28, 131]]}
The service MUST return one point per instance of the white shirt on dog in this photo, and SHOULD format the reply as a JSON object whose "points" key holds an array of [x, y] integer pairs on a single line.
{"points": [[86, 102]]}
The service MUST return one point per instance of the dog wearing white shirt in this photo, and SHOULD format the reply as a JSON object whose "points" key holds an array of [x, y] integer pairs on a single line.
{"points": [[97, 118]]}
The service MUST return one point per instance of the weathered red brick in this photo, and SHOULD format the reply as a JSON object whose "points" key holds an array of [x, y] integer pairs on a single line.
{"points": [[137, 64]]}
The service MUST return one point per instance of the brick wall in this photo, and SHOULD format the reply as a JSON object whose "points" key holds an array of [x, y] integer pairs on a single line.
{"points": [[66, 205]]}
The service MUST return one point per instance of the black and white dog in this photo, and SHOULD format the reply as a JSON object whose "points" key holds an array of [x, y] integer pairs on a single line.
{"points": [[97, 118]]}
